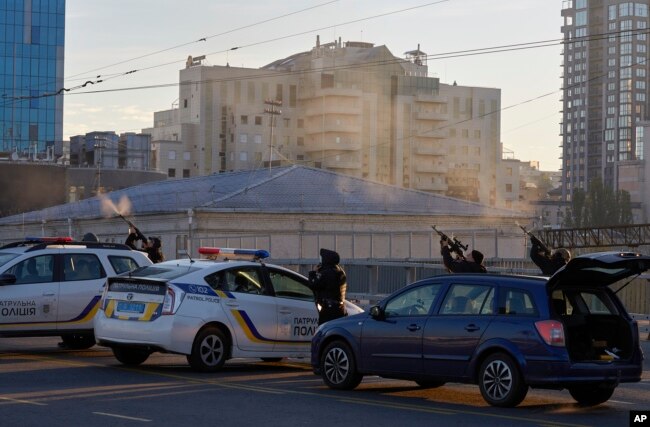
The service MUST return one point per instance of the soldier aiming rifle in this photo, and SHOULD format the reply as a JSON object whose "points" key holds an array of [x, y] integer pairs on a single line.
{"points": [[152, 246], [470, 263], [547, 260]]}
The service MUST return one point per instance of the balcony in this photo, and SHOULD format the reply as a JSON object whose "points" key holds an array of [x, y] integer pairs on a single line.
{"points": [[431, 133], [329, 127], [437, 99], [431, 115], [320, 110], [430, 186], [428, 150], [318, 146], [430, 167]]}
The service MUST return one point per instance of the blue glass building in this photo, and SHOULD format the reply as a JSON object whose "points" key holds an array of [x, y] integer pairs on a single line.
{"points": [[32, 35]]}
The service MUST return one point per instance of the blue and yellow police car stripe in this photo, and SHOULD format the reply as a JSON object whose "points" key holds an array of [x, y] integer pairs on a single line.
{"points": [[86, 315], [251, 332]]}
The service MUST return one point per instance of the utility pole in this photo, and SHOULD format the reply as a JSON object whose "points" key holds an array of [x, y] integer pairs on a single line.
{"points": [[272, 103], [99, 146]]}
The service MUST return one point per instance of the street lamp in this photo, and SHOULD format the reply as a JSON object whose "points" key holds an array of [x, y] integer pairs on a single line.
{"points": [[190, 214]]}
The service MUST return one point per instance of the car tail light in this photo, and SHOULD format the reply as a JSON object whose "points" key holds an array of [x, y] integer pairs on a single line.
{"points": [[169, 304], [552, 332]]}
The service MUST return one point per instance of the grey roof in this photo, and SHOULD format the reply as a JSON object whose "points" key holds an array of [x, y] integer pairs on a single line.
{"points": [[284, 189]]}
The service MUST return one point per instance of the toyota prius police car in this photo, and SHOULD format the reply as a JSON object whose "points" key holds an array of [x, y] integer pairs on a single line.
{"points": [[225, 306], [52, 286]]}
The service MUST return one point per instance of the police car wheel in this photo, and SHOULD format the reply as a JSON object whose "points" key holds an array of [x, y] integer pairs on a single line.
{"points": [[591, 395], [78, 341], [338, 368], [209, 350], [130, 356]]}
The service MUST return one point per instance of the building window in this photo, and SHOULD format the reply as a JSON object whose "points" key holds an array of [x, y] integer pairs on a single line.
{"points": [[171, 155], [508, 188], [186, 155], [243, 156], [611, 15], [185, 103], [244, 120], [258, 139], [243, 138], [186, 173], [301, 123], [300, 141], [639, 142], [278, 92], [171, 173]]}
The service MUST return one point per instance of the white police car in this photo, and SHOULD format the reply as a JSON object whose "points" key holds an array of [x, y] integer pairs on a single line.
{"points": [[230, 305], [52, 286]]}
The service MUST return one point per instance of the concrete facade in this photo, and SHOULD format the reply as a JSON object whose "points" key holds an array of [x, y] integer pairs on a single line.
{"points": [[340, 111]]}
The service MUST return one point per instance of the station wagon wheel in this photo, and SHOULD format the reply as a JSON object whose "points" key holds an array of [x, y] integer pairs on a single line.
{"points": [[338, 367], [500, 381], [591, 395], [130, 356], [209, 351], [78, 341]]}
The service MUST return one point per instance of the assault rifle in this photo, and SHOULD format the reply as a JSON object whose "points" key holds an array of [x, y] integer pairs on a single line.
{"points": [[454, 244], [138, 233], [535, 240]]}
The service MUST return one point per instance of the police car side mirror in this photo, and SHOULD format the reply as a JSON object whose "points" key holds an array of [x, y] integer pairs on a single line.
{"points": [[376, 312], [7, 279]]}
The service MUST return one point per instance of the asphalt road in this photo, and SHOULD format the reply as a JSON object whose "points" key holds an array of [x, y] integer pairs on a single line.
{"points": [[41, 384]]}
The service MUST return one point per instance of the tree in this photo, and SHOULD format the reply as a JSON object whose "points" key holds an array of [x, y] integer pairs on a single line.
{"points": [[599, 207], [575, 214]]}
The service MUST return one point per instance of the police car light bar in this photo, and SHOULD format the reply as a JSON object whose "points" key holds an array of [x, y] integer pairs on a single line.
{"points": [[232, 253], [59, 239]]}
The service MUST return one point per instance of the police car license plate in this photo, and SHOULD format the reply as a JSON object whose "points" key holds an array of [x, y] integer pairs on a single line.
{"points": [[130, 307]]}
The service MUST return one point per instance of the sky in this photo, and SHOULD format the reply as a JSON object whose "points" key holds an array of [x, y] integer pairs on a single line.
{"points": [[109, 38]]}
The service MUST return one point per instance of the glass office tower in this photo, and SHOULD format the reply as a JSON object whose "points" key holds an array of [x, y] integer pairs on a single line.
{"points": [[32, 34]]}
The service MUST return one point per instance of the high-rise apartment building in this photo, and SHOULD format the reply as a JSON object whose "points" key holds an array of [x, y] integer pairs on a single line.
{"points": [[352, 107], [605, 91], [31, 72]]}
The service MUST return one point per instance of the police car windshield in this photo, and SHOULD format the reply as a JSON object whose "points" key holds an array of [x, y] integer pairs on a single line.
{"points": [[167, 272], [6, 257]]}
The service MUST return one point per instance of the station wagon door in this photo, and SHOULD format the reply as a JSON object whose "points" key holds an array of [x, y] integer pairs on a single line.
{"points": [[452, 335]]}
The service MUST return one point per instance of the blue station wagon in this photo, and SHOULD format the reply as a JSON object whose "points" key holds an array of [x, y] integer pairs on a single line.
{"points": [[504, 333]]}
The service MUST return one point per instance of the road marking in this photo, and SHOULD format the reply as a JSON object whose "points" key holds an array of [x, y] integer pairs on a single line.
{"points": [[144, 420], [621, 402], [29, 402]]}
